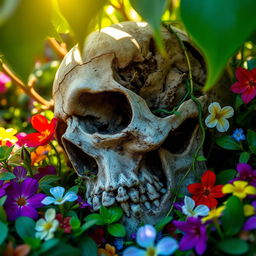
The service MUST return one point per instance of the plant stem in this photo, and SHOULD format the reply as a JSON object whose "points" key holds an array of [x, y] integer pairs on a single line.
{"points": [[58, 158], [60, 50]]}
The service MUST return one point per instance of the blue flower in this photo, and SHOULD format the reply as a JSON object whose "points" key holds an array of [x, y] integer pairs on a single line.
{"points": [[145, 238], [189, 208], [59, 197], [238, 134]]}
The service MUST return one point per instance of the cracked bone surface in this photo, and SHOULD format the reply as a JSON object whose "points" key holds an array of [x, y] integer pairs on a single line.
{"points": [[108, 101]]}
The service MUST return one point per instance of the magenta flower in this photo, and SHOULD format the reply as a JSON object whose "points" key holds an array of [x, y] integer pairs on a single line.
{"points": [[250, 224], [20, 172], [22, 199], [3, 186], [195, 235], [4, 79], [246, 173]]}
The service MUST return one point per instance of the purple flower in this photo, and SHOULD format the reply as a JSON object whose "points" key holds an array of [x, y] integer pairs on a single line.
{"points": [[3, 186], [238, 134], [20, 172], [4, 79], [43, 171], [250, 224], [22, 199], [246, 173], [82, 203], [195, 234]]}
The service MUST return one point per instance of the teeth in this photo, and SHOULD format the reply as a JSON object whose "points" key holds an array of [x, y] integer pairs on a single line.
{"points": [[108, 198], [147, 177], [156, 203], [142, 189], [143, 198], [96, 203], [126, 208], [147, 205], [157, 185], [156, 178], [134, 195], [152, 194], [89, 200], [136, 209], [163, 190], [121, 195]]}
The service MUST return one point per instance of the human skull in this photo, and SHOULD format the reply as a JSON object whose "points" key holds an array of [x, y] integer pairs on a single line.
{"points": [[114, 106]]}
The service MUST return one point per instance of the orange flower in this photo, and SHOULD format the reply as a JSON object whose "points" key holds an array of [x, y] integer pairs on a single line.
{"points": [[40, 154], [20, 250], [108, 251]]}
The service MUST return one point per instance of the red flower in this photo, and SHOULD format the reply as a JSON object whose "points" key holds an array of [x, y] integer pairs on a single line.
{"points": [[246, 84], [45, 132], [64, 223], [205, 192]]}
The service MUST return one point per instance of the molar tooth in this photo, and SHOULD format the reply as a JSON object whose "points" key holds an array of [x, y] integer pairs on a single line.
{"points": [[147, 205], [142, 189], [125, 206], [152, 194], [96, 203], [108, 198], [156, 203], [143, 198], [157, 185], [147, 177], [136, 209], [89, 200], [121, 195], [163, 190], [134, 195]]}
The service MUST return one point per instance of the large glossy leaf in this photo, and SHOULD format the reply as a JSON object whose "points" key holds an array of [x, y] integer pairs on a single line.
{"points": [[218, 27], [152, 11], [23, 34], [80, 15]]}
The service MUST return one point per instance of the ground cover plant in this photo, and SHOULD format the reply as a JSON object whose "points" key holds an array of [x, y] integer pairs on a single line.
{"points": [[43, 208]]}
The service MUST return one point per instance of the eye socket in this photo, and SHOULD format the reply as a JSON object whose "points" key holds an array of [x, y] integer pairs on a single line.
{"points": [[179, 139], [105, 113], [85, 165]]}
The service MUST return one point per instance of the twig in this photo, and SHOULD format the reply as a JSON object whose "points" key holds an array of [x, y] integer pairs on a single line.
{"points": [[121, 8], [60, 50], [28, 89]]}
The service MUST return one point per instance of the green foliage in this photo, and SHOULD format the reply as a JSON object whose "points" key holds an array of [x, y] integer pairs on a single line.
{"points": [[244, 157], [228, 143], [88, 247], [225, 176], [116, 230], [163, 222], [5, 152], [7, 176], [4, 231], [233, 246], [219, 28], [25, 227], [251, 138]]}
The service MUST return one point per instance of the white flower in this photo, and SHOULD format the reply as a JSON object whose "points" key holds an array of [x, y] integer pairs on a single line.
{"points": [[59, 197], [189, 205], [218, 116], [46, 227]]}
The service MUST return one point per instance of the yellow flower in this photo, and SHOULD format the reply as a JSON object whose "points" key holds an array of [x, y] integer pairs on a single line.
{"points": [[218, 116], [249, 210], [215, 213], [239, 188], [108, 251], [7, 135]]}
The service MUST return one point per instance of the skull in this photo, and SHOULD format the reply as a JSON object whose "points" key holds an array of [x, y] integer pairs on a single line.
{"points": [[115, 103]]}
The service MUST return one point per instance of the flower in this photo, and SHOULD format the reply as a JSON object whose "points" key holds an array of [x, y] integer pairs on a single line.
{"points": [[39, 154], [246, 84], [119, 243], [64, 223], [20, 250], [145, 238], [189, 208], [97, 234], [205, 192], [108, 251], [238, 134], [82, 203], [246, 173], [46, 227], [3, 186], [4, 80], [249, 210], [59, 197], [195, 235], [7, 136], [20, 172], [250, 224], [218, 116], [22, 199], [239, 188], [214, 214], [43, 171], [45, 132]]}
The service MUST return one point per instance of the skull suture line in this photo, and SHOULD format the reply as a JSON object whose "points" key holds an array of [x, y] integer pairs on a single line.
{"points": [[105, 100]]}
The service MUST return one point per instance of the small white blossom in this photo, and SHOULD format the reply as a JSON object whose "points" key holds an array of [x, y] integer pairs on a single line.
{"points": [[189, 208]]}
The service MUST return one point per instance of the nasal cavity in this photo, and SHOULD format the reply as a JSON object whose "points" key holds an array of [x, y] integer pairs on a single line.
{"points": [[105, 112]]}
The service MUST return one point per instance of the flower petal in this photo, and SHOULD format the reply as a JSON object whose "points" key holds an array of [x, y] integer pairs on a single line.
{"points": [[29, 187], [70, 196], [248, 95], [228, 188], [216, 191], [188, 242], [36, 200], [48, 200], [189, 203], [250, 224], [32, 139], [28, 212], [250, 190], [222, 125], [40, 225], [238, 87], [202, 210], [133, 251], [208, 179], [146, 236], [40, 123], [195, 188], [166, 246], [50, 215], [227, 112], [214, 108], [182, 225], [57, 192], [211, 121]]}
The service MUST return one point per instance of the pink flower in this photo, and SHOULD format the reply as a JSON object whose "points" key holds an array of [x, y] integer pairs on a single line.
{"points": [[4, 79], [246, 84]]}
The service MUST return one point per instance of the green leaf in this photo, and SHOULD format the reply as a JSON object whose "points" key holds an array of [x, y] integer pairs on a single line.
{"points": [[151, 11], [75, 223], [201, 158], [3, 216], [74, 189], [5, 152], [89, 223], [25, 227], [63, 249], [160, 224], [49, 244], [251, 138], [233, 216], [7, 9], [233, 246], [33, 242], [111, 214], [4, 231], [88, 247], [97, 217], [2, 200], [23, 34], [46, 182], [244, 157], [225, 176], [7, 176], [116, 230], [228, 142], [218, 28], [80, 15]]}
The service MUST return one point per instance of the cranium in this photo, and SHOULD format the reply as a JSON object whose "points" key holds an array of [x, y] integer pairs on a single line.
{"points": [[108, 100]]}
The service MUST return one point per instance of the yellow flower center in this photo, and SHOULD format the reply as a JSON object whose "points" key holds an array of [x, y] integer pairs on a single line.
{"points": [[219, 115], [47, 226], [21, 201], [238, 190], [151, 251], [44, 134]]}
